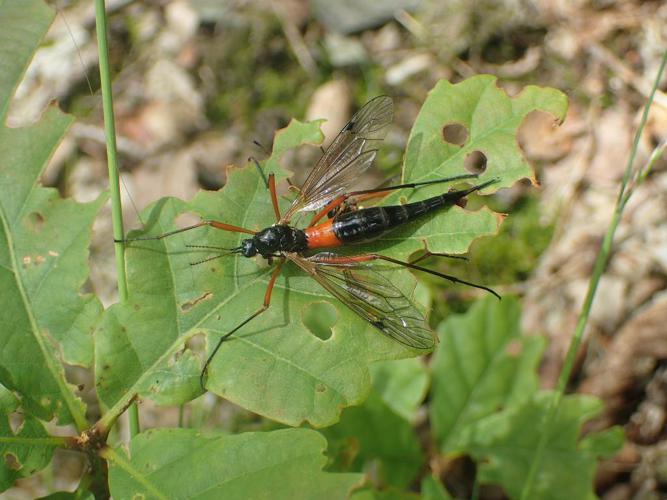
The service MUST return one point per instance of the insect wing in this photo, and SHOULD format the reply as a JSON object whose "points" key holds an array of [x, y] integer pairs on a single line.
{"points": [[373, 297], [348, 156]]}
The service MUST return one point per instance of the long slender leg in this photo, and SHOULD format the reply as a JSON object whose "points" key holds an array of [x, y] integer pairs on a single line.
{"points": [[211, 223], [274, 196], [293, 186], [375, 256], [335, 203], [414, 184], [265, 306], [437, 254]]}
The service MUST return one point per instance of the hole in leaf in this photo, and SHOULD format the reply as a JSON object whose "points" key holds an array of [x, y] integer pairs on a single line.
{"points": [[475, 162], [36, 221], [455, 133], [16, 421], [12, 461], [196, 343], [320, 318], [185, 220]]}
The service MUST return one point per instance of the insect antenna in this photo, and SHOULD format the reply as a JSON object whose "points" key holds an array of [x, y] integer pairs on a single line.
{"points": [[227, 252], [159, 237], [259, 169]]}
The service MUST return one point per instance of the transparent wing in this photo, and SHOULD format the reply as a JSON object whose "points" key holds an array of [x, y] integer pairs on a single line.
{"points": [[371, 296], [348, 156]]}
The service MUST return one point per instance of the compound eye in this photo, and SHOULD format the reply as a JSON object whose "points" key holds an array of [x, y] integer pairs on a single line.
{"points": [[248, 249]]}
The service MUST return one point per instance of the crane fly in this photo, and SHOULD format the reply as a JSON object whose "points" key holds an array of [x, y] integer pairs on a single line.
{"points": [[325, 192]]}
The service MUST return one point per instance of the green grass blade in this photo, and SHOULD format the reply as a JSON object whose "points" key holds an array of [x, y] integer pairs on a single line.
{"points": [[598, 269], [114, 187]]}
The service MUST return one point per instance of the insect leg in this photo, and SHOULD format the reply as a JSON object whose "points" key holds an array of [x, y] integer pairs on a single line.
{"points": [[211, 223], [332, 205], [265, 306], [292, 186], [375, 256], [412, 185], [436, 254], [274, 196], [428, 254]]}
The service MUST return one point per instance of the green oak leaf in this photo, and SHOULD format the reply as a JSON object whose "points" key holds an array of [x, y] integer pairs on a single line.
{"points": [[44, 239], [432, 489], [274, 366], [481, 365], [504, 445], [24, 444], [401, 384], [385, 494], [373, 433], [186, 463], [491, 120]]}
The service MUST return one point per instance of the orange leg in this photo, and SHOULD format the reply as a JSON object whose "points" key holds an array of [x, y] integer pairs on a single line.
{"points": [[367, 196], [335, 203], [226, 227], [265, 306], [274, 196], [212, 223]]}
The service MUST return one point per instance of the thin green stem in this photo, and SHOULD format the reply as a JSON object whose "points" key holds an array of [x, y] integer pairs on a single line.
{"points": [[114, 185], [600, 265]]}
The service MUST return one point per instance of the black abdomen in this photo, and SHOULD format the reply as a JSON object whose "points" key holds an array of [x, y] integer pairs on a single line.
{"points": [[369, 223]]}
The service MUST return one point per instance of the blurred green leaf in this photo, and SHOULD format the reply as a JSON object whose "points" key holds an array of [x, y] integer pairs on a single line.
{"points": [[385, 494], [184, 464], [481, 365], [401, 384], [504, 446], [372, 434], [432, 489], [275, 366], [44, 239]]}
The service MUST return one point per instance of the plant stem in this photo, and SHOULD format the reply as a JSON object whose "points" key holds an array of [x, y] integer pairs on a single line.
{"points": [[598, 269], [114, 187]]}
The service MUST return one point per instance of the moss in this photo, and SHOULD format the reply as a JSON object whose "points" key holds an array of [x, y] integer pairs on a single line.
{"points": [[256, 70], [513, 254]]}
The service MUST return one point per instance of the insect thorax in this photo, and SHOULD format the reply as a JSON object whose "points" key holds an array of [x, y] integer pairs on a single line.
{"points": [[275, 239]]}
